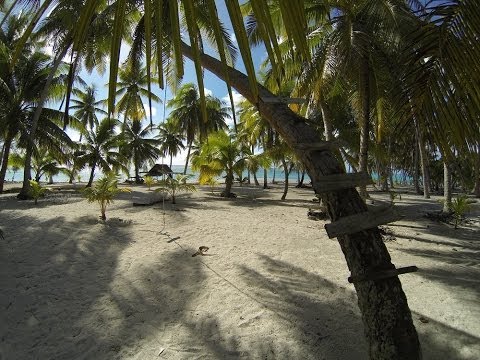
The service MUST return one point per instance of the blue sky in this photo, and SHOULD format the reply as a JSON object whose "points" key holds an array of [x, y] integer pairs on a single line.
{"points": [[212, 84]]}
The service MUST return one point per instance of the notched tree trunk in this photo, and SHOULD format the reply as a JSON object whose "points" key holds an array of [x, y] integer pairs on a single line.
{"points": [[387, 319]]}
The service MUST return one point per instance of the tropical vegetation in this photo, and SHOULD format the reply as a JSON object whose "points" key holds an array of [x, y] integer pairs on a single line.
{"points": [[387, 88], [174, 185], [220, 154], [103, 192]]}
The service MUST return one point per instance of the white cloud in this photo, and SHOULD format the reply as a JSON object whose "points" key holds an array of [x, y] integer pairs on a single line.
{"points": [[233, 38], [48, 49], [237, 98], [147, 111], [208, 92]]}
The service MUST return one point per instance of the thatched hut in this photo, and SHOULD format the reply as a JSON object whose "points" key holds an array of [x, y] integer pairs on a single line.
{"points": [[160, 170]]}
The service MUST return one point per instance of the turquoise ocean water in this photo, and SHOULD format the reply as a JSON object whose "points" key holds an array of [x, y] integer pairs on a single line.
{"points": [[85, 174]]}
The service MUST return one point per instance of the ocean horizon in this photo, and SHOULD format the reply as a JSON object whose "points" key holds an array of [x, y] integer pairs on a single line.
{"points": [[277, 174]]}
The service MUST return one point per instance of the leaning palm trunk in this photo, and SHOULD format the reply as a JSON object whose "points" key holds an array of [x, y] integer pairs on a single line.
{"points": [[25, 192], [188, 157], [92, 173], [5, 155], [387, 319]]}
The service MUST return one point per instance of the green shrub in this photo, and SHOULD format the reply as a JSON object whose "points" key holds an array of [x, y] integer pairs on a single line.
{"points": [[460, 206], [175, 185], [103, 192], [36, 191], [149, 181]]}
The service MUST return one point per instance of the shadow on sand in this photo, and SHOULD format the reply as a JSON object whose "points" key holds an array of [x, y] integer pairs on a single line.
{"points": [[64, 296]]}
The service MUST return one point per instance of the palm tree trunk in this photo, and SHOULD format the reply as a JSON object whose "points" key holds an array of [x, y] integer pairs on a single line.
{"points": [[476, 171], [423, 162], [92, 173], [265, 179], [364, 123], [188, 158], [228, 184], [285, 187], [6, 153], [387, 319], [24, 193], [327, 121], [1, 153], [302, 179], [72, 175], [137, 174], [447, 186], [416, 180]]}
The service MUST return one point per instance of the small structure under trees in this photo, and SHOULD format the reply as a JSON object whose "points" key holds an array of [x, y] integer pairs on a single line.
{"points": [[160, 170]]}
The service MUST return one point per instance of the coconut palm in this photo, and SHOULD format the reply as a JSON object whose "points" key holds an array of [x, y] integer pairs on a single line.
{"points": [[138, 147], [100, 149], [20, 87], [220, 154], [387, 319], [187, 114], [130, 90], [256, 132], [86, 107], [171, 139]]}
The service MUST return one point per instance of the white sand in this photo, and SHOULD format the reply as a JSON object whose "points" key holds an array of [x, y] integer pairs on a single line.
{"points": [[273, 286]]}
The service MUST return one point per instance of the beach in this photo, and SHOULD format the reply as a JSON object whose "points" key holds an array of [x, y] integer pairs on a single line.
{"points": [[272, 285]]}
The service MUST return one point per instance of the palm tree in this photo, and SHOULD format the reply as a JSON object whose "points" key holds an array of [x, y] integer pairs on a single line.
{"points": [[86, 107], [175, 185], [44, 163], [256, 132], [104, 192], [138, 147], [220, 153], [280, 152], [130, 90], [20, 87], [187, 114], [387, 319], [100, 149], [171, 139]]}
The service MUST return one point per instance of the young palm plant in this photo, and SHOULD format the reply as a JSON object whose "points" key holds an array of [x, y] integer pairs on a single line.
{"points": [[175, 185], [149, 181], [36, 191], [221, 154], [103, 192], [460, 206]]}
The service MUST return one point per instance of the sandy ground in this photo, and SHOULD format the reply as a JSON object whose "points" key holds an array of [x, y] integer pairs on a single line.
{"points": [[273, 286]]}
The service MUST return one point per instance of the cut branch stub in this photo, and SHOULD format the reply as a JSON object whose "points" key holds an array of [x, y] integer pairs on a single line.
{"points": [[361, 221], [383, 274], [337, 182]]}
